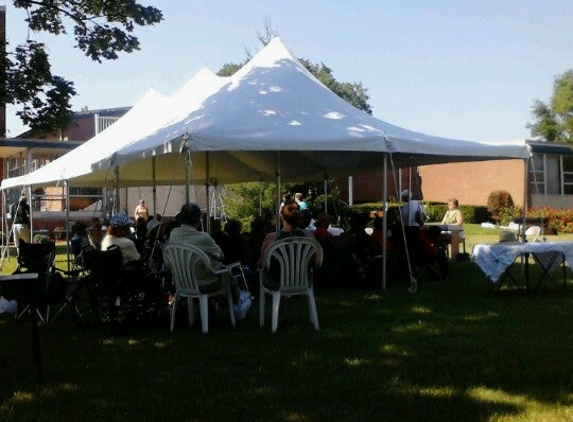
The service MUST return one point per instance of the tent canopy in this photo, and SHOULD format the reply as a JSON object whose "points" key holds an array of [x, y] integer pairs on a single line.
{"points": [[271, 117]]}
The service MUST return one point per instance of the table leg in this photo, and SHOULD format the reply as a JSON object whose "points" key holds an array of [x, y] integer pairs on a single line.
{"points": [[36, 343], [454, 244]]}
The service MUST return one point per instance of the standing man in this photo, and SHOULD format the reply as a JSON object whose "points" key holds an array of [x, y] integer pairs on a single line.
{"points": [[412, 212], [141, 211], [21, 221]]}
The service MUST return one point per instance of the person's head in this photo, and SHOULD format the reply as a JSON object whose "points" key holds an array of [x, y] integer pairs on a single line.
{"points": [[405, 195], [216, 225], [267, 215], [158, 217], [233, 227], [190, 214], [306, 218], [80, 228], [452, 203], [291, 215], [23, 199], [298, 196], [323, 220], [119, 225], [141, 202]]}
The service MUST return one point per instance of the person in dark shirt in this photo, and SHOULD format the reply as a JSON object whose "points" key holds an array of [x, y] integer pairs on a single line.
{"points": [[21, 221]]}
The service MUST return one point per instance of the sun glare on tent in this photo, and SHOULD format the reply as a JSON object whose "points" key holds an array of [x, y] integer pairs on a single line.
{"points": [[334, 115]]}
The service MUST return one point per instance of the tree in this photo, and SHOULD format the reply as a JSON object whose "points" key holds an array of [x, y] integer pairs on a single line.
{"points": [[101, 29], [554, 122]]}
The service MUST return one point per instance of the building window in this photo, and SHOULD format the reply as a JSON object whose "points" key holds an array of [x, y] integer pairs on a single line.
{"points": [[537, 173], [567, 174]]}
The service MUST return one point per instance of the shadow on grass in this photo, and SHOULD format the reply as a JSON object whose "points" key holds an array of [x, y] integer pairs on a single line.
{"points": [[450, 352]]}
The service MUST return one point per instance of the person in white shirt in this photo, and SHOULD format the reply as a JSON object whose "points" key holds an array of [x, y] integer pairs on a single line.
{"points": [[117, 232]]}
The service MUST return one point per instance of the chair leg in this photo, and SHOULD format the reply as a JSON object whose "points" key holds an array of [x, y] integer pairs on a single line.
{"points": [[312, 309], [204, 307], [174, 310], [276, 306], [190, 311], [231, 308], [262, 306]]}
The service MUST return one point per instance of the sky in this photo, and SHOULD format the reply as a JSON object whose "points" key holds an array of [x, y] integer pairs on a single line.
{"points": [[453, 68]]}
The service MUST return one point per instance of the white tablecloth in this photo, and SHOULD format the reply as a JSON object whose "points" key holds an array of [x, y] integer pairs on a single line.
{"points": [[494, 259]]}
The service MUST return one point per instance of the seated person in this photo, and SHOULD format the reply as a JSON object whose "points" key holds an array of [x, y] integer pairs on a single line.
{"points": [[95, 234], [117, 234], [80, 238], [452, 217], [191, 232], [321, 227], [236, 245], [291, 219], [363, 247], [221, 238]]}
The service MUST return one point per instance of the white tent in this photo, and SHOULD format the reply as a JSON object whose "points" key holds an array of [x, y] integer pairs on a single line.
{"points": [[271, 116], [274, 111], [152, 110]]}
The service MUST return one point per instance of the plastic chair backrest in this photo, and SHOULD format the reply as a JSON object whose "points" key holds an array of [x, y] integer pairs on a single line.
{"points": [[187, 264], [532, 233], [296, 257]]}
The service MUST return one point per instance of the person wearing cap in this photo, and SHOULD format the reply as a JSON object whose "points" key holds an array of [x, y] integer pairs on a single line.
{"points": [[117, 232], [21, 221], [412, 212], [141, 211]]}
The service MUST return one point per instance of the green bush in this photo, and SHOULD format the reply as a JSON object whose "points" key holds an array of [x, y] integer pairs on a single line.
{"points": [[497, 201], [473, 214]]}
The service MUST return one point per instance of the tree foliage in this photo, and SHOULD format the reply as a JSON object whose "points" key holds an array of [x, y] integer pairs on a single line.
{"points": [[101, 29], [554, 121]]}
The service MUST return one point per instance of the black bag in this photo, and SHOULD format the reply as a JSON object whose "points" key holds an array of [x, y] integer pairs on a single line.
{"points": [[419, 217], [463, 257]]}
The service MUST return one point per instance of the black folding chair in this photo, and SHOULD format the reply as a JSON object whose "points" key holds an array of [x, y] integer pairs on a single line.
{"points": [[113, 292], [50, 288]]}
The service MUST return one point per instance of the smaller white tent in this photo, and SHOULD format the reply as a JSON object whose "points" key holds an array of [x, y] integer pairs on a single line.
{"points": [[151, 111]]}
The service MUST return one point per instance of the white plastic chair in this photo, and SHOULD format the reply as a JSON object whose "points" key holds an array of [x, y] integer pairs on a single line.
{"points": [[532, 233], [183, 260], [296, 257]]}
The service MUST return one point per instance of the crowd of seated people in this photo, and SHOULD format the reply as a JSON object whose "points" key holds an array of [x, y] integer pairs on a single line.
{"points": [[352, 257]]}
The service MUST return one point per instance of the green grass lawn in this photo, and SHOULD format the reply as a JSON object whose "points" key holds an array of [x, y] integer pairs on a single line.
{"points": [[451, 352]]}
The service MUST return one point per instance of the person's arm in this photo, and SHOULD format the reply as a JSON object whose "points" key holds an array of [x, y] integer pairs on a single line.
{"points": [[459, 218], [269, 239], [210, 247]]}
